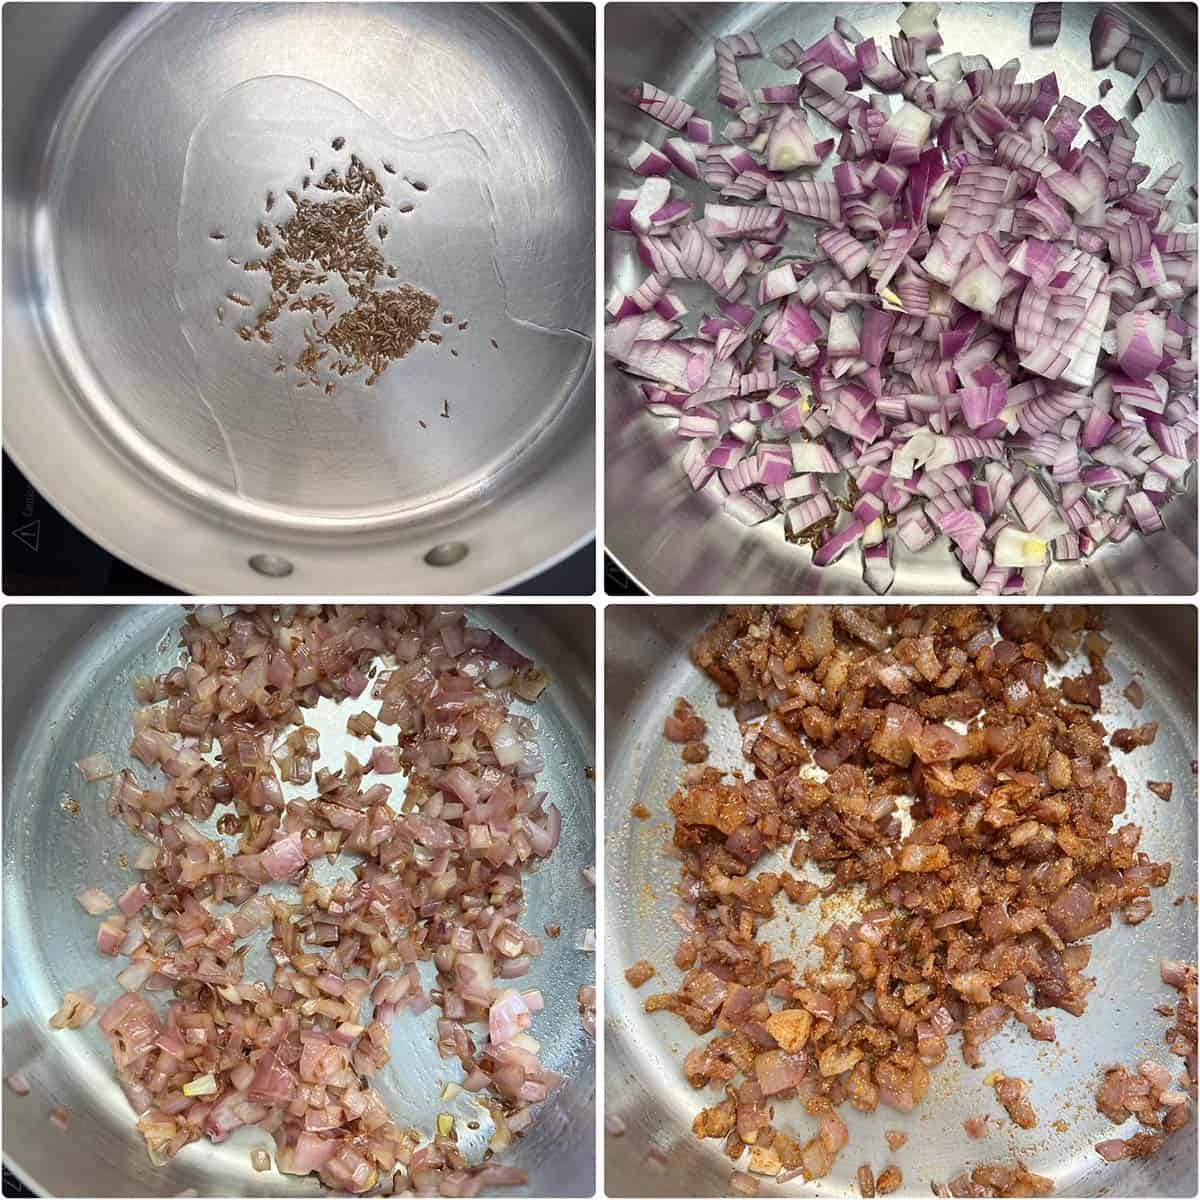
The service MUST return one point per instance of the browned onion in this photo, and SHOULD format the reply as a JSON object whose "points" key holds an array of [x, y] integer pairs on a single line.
{"points": [[978, 915]]}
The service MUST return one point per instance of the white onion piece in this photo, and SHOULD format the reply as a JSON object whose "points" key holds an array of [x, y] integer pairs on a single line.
{"points": [[1016, 548]]}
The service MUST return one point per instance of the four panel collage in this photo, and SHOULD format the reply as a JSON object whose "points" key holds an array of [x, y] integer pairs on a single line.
{"points": [[599, 600]]}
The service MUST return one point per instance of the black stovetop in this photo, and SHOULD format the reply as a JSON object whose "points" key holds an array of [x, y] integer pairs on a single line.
{"points": [[13, 1186], [616, 582]]}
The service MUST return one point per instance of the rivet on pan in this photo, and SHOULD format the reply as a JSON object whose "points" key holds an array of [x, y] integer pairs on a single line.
{"points": [[274, 565], [447, 554]]}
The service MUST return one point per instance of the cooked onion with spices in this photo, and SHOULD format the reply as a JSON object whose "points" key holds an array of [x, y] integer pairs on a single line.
{"points": [[944, 771]]}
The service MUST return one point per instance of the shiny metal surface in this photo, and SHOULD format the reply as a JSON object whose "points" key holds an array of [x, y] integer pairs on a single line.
{"points": [[676, 542], [647, 666], [131, 132], [67, 673]]}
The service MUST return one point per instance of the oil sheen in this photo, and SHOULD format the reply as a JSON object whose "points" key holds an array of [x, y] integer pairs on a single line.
{"points": [[438, 423]]}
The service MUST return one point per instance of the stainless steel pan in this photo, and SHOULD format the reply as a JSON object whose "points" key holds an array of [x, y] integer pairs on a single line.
{"points": [[67, 673], [677, 542], [646, 667], [131, 132]]}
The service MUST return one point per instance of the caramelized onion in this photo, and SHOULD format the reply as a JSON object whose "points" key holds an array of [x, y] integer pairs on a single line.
{"points": [[976, 909]]}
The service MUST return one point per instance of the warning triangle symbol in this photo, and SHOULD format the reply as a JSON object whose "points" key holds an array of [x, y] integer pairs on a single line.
{"points": [[29, 533]]}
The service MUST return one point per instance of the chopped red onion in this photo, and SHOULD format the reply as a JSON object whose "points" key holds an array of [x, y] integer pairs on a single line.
{"points": [[110, 936], [75, 1011], [661, 106], [1150, 87], [970, 342], [1045, 24], [1139, 342], [646, 160], [1110, 33], [1179, 86], [95, 766], [93, 901], [1129, 58], [438, 880]]}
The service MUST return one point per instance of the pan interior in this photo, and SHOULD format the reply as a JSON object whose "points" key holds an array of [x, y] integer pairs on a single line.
{"points": [[49, 942], [647, 668], [186, 120]]}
